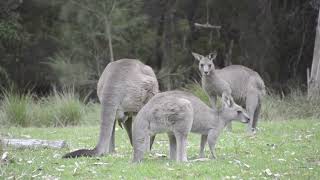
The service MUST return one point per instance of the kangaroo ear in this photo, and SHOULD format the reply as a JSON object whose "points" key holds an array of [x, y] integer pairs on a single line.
{"points": [[197, 56], [213, 55], [231, 101], [227, 100]]}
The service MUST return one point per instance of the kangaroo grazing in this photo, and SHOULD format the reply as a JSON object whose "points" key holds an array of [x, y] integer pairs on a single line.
{"points": [[124, 87], [207, 121], [243, 84], [163, 114]]}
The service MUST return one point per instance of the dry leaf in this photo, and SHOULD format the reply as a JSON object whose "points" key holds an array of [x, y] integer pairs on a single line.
{"points": [[268, 172], [100, 163]]}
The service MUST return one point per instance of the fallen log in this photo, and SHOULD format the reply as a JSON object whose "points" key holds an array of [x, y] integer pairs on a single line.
{"points": [[34, 143]]}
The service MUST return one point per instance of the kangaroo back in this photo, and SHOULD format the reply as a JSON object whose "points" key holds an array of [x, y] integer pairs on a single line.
{"points": [[241, 80], [126, 84]]}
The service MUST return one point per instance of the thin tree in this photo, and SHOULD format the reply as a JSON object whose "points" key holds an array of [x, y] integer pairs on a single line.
{"points": [[103, 15], [314, 75]]}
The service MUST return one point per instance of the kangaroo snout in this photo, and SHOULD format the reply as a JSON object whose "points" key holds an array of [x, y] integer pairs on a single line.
{"points": [[206, 72], [245, 118]]}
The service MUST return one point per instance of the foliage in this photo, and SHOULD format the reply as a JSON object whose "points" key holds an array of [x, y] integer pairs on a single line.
{"points": [[86, 40], [8, 31], [71, 73], [278, 151]]}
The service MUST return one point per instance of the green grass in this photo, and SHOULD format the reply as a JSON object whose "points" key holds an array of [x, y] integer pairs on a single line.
{"points": [[289, 149]]}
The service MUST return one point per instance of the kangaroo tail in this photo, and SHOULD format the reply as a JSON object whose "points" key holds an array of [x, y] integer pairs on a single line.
{"points": [[81, 153]]}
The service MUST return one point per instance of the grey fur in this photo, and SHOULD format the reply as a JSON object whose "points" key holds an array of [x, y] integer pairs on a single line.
{"points": [[207, 121], [124, 87], [243, 84], [163, 115]]}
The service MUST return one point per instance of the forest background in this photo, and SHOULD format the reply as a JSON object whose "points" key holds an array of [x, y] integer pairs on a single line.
{"points": [[63, 43]]}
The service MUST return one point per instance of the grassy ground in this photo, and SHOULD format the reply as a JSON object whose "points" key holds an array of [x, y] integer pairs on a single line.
{"points": [[281, 149]]}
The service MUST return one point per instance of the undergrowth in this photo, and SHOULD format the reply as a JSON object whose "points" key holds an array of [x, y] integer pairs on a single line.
{"points": [[66, 108], [295, 105]]}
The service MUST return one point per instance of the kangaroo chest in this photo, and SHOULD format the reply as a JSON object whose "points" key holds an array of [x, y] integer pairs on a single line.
{"points": [[214, 85]]}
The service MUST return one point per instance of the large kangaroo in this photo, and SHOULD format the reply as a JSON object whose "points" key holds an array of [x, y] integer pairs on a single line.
{"points": [[163, 115], [243, 84], [207, 121], [124, 86]]}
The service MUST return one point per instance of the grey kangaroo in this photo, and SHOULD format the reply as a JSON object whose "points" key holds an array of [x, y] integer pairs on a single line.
{"points": [[243, 84], [124, 87], [207, 121], [163, 115]]}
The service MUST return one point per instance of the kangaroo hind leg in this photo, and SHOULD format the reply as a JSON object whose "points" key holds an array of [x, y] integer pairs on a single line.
{"points": [[256, 116], [202, 145], [108, 115], [173, 146], [251, 106], [181, 147]]}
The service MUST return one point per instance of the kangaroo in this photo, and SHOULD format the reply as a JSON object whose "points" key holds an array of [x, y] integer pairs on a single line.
{"points": [[123, 88], [163, 114], [207, 121], [243, 84]]}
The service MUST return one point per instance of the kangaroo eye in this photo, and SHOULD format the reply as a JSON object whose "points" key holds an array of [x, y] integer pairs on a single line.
{"points": [[239, 112], [201, 65], [209, 65]]}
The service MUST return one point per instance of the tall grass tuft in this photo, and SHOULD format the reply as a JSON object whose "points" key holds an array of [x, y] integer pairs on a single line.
{"points": [[295, 105], [15, 108], [59, 109], [66, 107], [197, 90]]}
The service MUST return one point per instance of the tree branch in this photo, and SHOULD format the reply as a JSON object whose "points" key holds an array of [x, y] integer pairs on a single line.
{"points": [[207, 25]]}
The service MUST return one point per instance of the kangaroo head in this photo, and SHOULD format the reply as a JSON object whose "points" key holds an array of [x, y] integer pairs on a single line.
{"points": [[205, 62], [232, 111]]}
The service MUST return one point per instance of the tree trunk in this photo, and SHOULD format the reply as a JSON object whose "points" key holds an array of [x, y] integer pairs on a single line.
{"points": [[314, 75], [108, 31], [228, 58]]}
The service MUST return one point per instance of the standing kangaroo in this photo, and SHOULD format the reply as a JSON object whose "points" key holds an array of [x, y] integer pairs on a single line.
{"points": [[207, 121], [243, 84], [163, 114], [124, 86]]}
